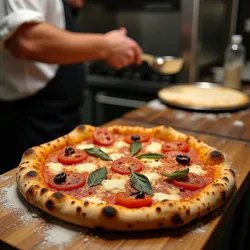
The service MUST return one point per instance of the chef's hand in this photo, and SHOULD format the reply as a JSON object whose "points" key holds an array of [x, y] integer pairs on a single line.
{"points": [[123, 50], [76, 3]]}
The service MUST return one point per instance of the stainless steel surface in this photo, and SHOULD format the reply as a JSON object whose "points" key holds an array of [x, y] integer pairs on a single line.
{"points": [[168, 65], [197, 31], [125, 102], [203, 85], [189, 38], [206, 27]]}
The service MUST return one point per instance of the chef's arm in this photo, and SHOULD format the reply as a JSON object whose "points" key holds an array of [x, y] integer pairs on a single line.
{"points": [[46, 43]]}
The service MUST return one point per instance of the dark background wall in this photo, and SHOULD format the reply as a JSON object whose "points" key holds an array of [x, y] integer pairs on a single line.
{"points": [[243, 26]]}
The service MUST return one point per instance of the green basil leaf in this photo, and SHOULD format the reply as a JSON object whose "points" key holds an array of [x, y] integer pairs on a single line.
{"points": [[98, 153], [151, 156], [178, 174], [96, 177], [140, 182], [135, 147]]}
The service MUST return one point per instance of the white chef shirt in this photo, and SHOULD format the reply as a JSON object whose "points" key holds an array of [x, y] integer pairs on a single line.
{"points": [[21, 78]]}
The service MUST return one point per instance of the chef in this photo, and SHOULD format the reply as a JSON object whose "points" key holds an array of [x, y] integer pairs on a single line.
{"points": [[41, 72]]}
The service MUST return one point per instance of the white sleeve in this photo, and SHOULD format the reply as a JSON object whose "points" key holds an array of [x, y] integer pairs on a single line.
{"points": [[17, 12], [24, 76]]}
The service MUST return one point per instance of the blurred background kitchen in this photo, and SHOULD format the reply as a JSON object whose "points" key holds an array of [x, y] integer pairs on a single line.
{"points": [[198, 31]]}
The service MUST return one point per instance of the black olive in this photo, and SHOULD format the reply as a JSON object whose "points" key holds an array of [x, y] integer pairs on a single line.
{"points": [[215, 154], [69, 151], [60, 178], [135, 137], [141, 195], [183, 159], [134, 193]]}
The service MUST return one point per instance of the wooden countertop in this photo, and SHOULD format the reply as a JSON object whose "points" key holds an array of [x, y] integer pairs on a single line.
{"points": [[234, 125], [32, 233]]}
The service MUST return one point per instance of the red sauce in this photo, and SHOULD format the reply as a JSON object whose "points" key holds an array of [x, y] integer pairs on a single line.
{"points": [[161, 186]]}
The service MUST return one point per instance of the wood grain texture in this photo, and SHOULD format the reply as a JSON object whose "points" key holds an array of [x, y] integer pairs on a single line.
{"points": [[223, 124], [202, 234]]}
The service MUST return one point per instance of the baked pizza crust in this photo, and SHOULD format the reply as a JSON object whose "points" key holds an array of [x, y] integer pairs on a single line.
{"points": [[163, 214], [197, 97]]}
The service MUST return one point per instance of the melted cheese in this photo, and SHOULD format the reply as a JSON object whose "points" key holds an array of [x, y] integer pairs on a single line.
{"points": [[162, 196], [152, 176], [154, 147], [116, 156], [107, 150], [152, 163], [84, 167], [121, 144], [115, 185], [55, 167], [84, 146], [197, 170], [94, 200]]}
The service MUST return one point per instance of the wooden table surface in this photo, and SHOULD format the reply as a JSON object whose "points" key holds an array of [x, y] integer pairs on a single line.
{"points": [[234, 125], [203, 234]]}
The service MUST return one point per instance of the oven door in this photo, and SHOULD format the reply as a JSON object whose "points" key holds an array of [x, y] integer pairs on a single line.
{"points": [[110, 105]]}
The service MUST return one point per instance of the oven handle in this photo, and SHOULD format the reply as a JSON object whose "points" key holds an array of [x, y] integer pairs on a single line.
{"points": [[100, 98]]}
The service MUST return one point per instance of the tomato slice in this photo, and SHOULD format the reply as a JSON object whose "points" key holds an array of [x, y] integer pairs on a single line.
{"points": [[175, 146], [124, 199], [76, 157], [73, 181], [122, 165], [143, 138], [190, 182], [103, 137]]}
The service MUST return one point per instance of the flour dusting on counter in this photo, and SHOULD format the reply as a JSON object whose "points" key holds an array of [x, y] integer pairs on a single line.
{"points": [[196, 116], [157, 105], [180, 115], [4, 178], [238, 123], [225, 115], [57, 233], [10, 198], [211, 117], [198, 228]]}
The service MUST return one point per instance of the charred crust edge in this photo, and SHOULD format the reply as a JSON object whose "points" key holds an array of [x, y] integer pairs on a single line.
{"points": [[223, 195], [81, 127], [43, 191], [49, 204], [176, 219], [232, 172], [31, 173], [29, 151], [158, 209], [58, 195], [225, 179], [109, 212]]}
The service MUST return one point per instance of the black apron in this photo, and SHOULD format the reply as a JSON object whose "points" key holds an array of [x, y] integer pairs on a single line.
{"points": [[52, 112]]}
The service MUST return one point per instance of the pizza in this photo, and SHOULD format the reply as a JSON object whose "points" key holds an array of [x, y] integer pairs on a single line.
{"points": [[125, 178], [204, 97]]}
